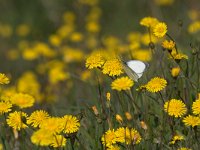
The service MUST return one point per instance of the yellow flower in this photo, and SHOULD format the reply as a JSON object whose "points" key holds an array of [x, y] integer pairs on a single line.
{"points": [[55, 40], [52, 125], [42, 137], [14, 120], [37, 117], [76, 37], [156, 84], [109, 138], [113, 147], [142, 54], [70, 124], [119, 118], [23, 30], [128, 116], [178, 56], [168, 44], [184, 148], [175, 71], [93, 27], [176, 138], [175, 108], [164, 2], [123, 83], [22, 100], [95, 60], [148, 21], [191, 121], [196, 107], [58, 141], [4, 79], [127, 135], [113, 67], [5, 107], [160, 30], [194, 27]]}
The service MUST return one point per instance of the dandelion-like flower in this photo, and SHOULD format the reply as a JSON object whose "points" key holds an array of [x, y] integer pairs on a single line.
{"points": [[52, 125], [70, 124], [168, 44], [109, 138], [123, 83], [196, 107], [22, 100], [128, 135], [176, 138], [160, 30], [179, 56], [42, 137], [175, 108], [156, 84], [37, 117], [58, 141], [113, 67], [191, 121], [95, 60], [14, 120], [113, 147], [148, 21], [5, 107], [4, 79]]}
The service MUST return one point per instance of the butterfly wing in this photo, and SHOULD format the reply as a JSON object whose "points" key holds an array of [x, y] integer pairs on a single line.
{"points": [[130, 72]]}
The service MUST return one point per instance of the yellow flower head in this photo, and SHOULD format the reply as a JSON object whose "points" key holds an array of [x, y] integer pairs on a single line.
{"points": [[113, 67], [4, 79], [128, 116], [160, 30], [70, 124], [52, 125], [191, 121], [164, 2], [194, 27], [128, 135], [175, 108], [37, 117], [22, 100], [14, 120], [156, 84], [176, 138], [42, 137], [175, 71], [5, 107], [123, 83], [109, 138], [168, 44], [178, 56], [184, 148], [95, 60], [196, 107], [119, 118], [113, 147], [58, 141], [148, 22]]}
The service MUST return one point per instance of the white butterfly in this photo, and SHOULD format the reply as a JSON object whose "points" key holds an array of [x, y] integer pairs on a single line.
{"points": [[135, 69]]}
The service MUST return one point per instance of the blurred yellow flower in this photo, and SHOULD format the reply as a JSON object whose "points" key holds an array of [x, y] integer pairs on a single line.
{"points": [[122, 83], [93, 27], [4, 79], [142, 54], [160, 29], [5, 30], [176, 138], [30, 54], [42, 137], [22, 100], [164, 2], [145, 39], [112, 67], [128, 135], [55, 40], [37, 117], [148, 21], [72, 54], [23, 30], [95, 60], [128, 116], [184, 148], [175, 108], [168, 44], [52, 125], [119, 118], [5, 107], [58, 141], [175, 71], [14, 120], [196, 107], [70, 124], [191, 121], [194, 27], [156, 84], [76, 37]]}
